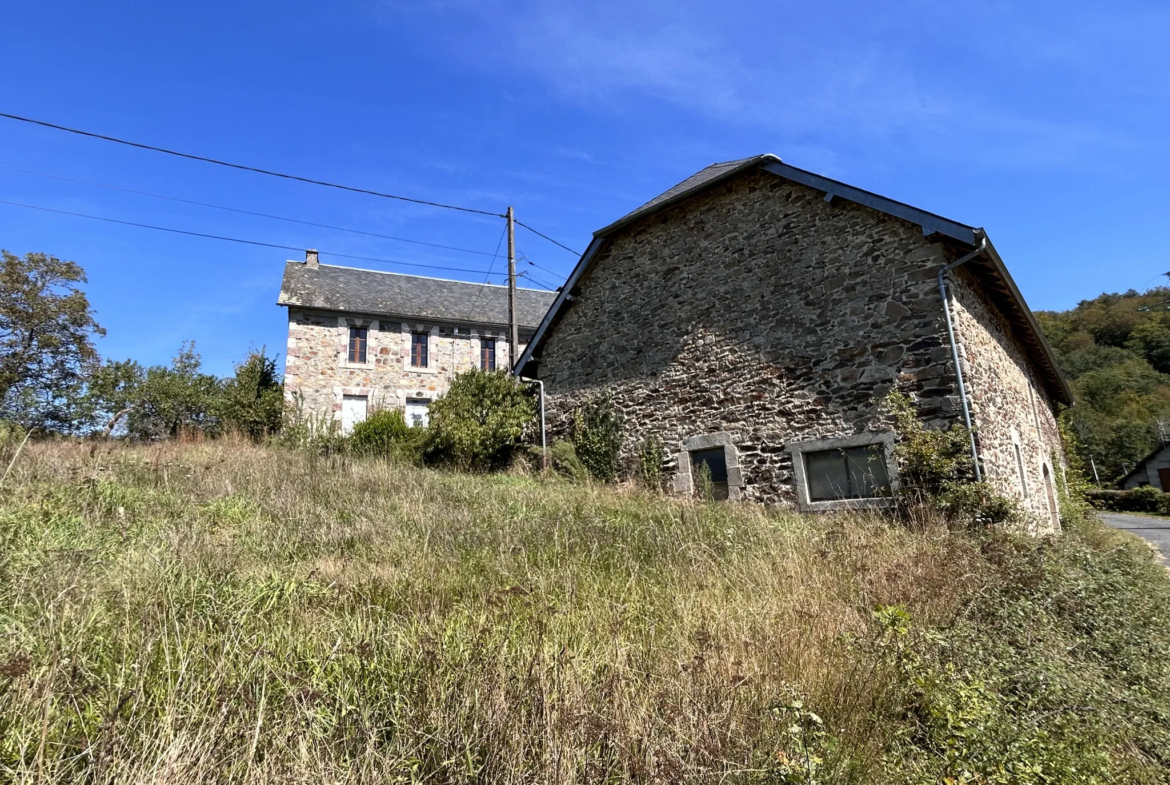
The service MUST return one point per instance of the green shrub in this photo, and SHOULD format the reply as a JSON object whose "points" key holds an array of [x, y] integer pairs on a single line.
{"points": [[562, 458], [385, 434], [319, 433], [651, 457], [597, 437], [480, 422], [1143, 499], [935, 470], [252, 400]]}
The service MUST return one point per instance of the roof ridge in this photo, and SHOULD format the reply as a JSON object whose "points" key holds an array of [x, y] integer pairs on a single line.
{"points": [[424, 277]]}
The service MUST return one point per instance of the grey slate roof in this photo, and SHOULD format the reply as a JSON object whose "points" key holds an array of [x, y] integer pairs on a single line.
{"points": [[377, 293], [693, 183]]}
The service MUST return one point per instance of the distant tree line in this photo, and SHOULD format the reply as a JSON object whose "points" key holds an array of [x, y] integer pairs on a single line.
{"points": [[1115, 350], [52, 378]]}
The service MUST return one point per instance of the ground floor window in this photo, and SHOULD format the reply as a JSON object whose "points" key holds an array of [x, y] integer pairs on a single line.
{"points": [[353, 411], [710, 466], [847, 472], [417, 414]]}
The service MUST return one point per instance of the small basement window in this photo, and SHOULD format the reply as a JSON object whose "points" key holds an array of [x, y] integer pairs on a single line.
{"points": [[715, 461], [847, 473]]}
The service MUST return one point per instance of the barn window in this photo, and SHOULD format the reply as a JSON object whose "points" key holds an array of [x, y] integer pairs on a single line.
{"points": [[712, 462], [848, 472], [358, 343], [487, 354], [1020, 469], [418, 349]]}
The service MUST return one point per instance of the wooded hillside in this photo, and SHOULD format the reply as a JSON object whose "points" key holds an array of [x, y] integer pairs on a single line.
{"points": [[1115, 350]]}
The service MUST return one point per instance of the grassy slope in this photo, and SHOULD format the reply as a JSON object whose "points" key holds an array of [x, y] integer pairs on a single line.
{"points": [[190, 613]]}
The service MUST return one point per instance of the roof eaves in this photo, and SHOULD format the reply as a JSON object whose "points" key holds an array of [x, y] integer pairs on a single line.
{"points": [[653, 207], [930, 223], [563, 297], [1062, 386]]}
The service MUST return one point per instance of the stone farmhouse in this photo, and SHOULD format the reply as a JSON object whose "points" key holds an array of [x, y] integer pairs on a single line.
{"points": [[751, 318], [364, 339]]}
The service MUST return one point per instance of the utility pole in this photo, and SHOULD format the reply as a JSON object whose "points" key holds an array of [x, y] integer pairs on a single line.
{"points": [[513, 328]]}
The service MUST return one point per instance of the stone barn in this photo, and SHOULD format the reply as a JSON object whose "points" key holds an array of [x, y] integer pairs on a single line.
{"points": [[751, 318]]}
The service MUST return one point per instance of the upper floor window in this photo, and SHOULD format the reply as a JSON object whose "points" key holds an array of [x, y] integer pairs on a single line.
{"points": [[358, 343], [487, 354], [418, 349]]}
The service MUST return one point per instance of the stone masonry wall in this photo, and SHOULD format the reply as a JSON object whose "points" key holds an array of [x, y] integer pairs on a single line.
{"points": [[1009, 405], [317, 370], [759, 311]]}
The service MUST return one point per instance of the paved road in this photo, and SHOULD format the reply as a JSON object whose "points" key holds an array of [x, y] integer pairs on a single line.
{"points": [[1155, 531]]}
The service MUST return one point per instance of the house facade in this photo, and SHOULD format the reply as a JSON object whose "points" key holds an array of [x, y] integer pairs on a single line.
{"points": [[751, 318], [1153, 470], [364, 339]]}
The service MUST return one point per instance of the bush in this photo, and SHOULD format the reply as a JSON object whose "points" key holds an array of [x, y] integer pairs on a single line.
{"points": [[252, 401], [385, 434], [935, 470], [1143, 499], [316, 433], [597, 437], [651, 457], [562, 458], [480, 422]]}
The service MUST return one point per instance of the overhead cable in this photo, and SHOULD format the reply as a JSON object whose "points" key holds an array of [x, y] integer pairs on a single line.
{"points": [[245, 212], [235, 239]]}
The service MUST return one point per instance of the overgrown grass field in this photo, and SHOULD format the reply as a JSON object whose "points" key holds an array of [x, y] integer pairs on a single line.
{"points": [[223, 612]]}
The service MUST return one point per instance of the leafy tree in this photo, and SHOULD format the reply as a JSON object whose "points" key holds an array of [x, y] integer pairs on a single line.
{"points": [[46, 339], [481, 420], [171, 400], [252, 401], [1115, 349], [111, 392]]}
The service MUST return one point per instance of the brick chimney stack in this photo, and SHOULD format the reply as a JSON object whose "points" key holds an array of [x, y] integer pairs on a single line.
{"points": [[311, 259]]}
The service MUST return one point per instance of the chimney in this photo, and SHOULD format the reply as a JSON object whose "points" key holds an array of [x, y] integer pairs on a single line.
{"points": [[311, 259]]}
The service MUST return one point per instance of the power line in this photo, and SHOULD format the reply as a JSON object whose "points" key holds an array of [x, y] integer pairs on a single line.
{"points": [[255, 169], [475, 302], [243, 212], [270, 173], [235, 239], [538, 234]]}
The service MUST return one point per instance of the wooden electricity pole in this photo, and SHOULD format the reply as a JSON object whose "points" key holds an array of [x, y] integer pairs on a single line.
{"points": [[513, 328]]}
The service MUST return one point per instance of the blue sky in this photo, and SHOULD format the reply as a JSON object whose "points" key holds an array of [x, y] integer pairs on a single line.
{"points": [[1043, 122]]}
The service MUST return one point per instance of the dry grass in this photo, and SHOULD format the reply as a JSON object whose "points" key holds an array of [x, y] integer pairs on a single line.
{"points": [[224, 612]]}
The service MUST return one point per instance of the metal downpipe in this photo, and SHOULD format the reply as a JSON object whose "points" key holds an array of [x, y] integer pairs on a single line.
{"points": [[942, 290]]}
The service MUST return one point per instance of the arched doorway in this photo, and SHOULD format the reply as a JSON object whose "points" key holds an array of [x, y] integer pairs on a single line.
{"points": [[1053, 507]]}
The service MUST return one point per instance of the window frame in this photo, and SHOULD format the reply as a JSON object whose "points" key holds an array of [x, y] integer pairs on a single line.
{"points": [[484, 345], [425, 343], [350, 358], [683, 481], [798, 451]]}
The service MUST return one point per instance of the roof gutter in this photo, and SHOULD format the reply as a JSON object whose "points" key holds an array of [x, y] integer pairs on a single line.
{"points": [[942, 290]]}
